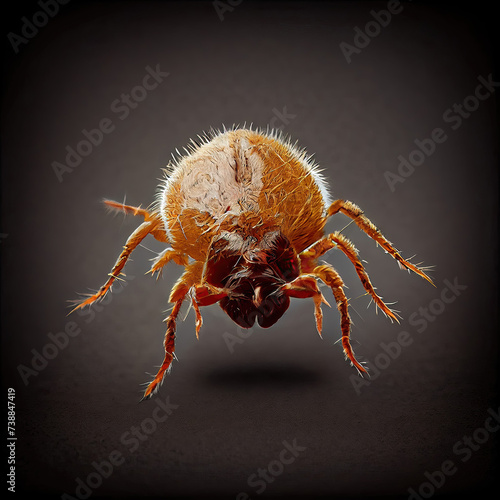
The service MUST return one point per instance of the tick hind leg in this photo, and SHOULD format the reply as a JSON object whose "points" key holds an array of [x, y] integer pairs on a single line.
{"points": [[187, 285], [330, 277], [152, 225], [356, 214]]}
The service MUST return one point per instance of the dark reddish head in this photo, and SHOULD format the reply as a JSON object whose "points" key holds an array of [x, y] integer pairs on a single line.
{"points": [[252, 271]]}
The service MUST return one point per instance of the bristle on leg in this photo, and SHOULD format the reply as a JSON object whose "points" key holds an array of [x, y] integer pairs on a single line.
{"points": [[331, 278], [155, 384], [357, 215]]}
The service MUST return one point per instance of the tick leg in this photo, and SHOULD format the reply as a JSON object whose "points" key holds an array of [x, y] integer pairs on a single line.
{"points": [[309, 257], [202, 295], [331, 278], [169, 350], [134, 239], [128, 209], [199, 318], [305, 286], [356, 214], [158, 232], [164, 258]]}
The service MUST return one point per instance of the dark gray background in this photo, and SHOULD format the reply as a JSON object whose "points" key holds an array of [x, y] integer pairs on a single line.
{"points": [[285, 383]]}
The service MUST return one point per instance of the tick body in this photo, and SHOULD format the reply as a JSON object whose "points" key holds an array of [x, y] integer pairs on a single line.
{"points": [[244, 212]]}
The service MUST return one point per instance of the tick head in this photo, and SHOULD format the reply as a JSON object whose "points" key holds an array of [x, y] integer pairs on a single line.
{"points": [[252, 270]]}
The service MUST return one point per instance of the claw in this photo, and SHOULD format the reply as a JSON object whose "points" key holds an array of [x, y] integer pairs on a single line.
{"points": [[91, 298]]}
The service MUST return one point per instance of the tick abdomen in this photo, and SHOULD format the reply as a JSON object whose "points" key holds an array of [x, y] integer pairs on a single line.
{"points": [[240, 176]]}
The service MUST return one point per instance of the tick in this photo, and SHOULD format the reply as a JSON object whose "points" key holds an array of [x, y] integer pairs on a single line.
{"points": [[244, 212]]}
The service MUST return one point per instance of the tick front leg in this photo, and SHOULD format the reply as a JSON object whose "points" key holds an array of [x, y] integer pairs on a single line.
{"points": [[331, 278], [202, 295], [356, 214], [169, 351], [303, 287]]}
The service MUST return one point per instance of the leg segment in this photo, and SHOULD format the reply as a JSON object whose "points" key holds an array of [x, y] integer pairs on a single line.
{"points": [[134, 239], [310, 256], [128, 209], [200, 296], [331, 278], [169, 349], [305, 286], [164, 258], [152, 225], [158, 233], [356, 214]]}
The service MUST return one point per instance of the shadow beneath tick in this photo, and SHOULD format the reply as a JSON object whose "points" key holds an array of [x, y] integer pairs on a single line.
{"points": [[263, 376]]}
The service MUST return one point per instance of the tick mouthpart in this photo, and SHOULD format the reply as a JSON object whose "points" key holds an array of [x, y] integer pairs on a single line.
{"points": [[252, 272], [266, 305], [257, 296]]}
